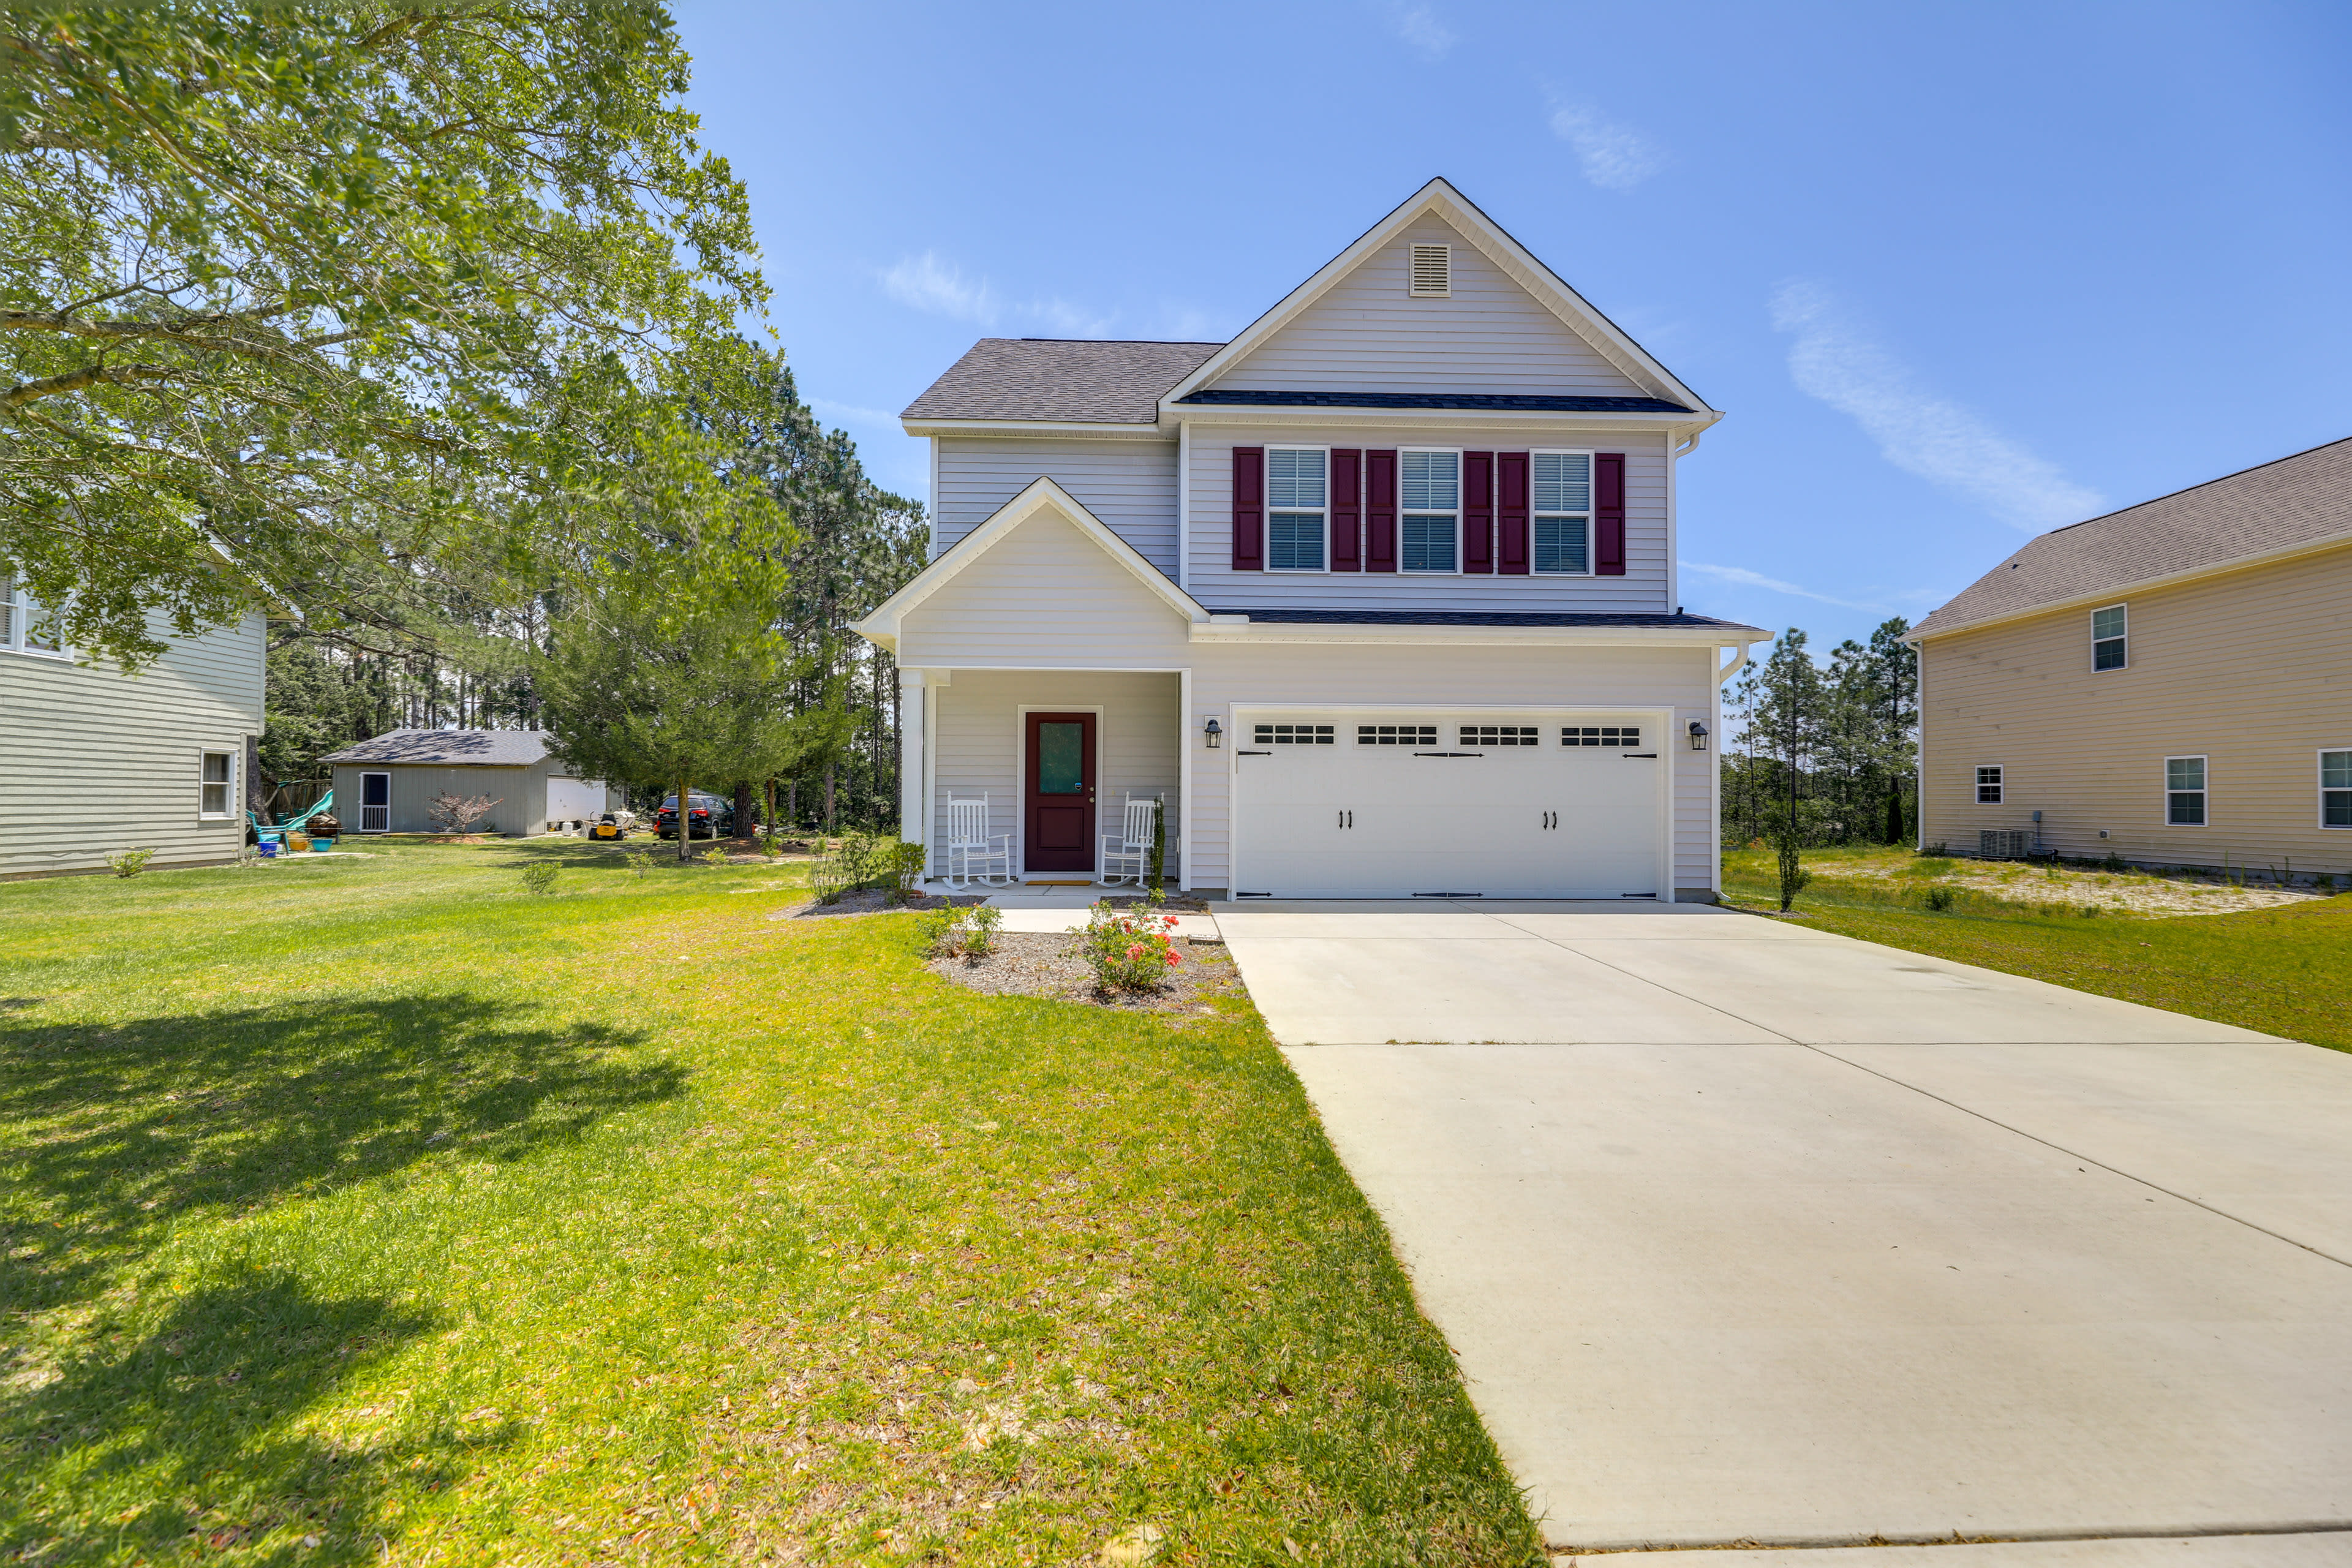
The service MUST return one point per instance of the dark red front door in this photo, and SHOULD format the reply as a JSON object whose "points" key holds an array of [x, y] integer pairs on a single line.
{"points": [[1057, 765]]}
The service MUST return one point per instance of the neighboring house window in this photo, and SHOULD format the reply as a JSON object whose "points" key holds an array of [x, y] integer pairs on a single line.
{"points": [[1563, 513], [2336, 789], [1429, 528], [1295, 499], [1989, 785], [2184, 792], [213, 775], [23, 627], [2107, 641]]}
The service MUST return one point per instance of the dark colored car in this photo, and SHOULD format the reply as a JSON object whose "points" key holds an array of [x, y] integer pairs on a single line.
{"points": [[707, 817]]}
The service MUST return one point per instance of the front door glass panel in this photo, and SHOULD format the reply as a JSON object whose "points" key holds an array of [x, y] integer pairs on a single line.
{"points": [[1061, 759]]}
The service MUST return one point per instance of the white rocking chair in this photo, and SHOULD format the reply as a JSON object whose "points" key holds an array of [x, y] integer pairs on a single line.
{"points": [[1127, 853], [974, 854]]}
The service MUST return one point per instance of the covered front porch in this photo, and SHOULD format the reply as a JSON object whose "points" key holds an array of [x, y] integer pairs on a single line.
{"points": [[1025, 777]]}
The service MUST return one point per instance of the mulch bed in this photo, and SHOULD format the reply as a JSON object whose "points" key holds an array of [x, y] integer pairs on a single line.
{"points": [[877, 901], [1045, 963], [1180, 904]]}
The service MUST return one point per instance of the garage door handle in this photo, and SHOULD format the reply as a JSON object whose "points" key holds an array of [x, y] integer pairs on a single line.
{"points": [[1629, 756], [1254, 755]]}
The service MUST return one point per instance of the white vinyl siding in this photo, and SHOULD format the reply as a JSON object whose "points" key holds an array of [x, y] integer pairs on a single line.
{"points": [[92, 761], [1368, 333], [2109, 645], [1130, 485], [2336, 789], [1560, 486], [1429, 511], [2184, 792], [1296, 520]]}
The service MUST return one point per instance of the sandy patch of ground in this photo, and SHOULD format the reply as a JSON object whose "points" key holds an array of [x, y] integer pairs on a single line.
{"points": [[2136, 892]]}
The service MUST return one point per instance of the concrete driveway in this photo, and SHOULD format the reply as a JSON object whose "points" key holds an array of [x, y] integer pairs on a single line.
{"points": [[1744, 1232]]}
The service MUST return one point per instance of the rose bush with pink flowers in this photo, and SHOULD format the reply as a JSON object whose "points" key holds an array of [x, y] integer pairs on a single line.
{"points": [[1130, 949]]}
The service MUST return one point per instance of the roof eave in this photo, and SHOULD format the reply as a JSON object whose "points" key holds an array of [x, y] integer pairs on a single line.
{"points": [[2109, 594], [1063, 427], [1227, 630]]}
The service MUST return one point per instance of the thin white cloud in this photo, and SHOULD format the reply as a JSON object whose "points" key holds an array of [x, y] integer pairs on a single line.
{"points": [[938, 287], [928, 283], [1915, 430], [1418, 25], [1747, 579], [852, 414], [1614, 157]]}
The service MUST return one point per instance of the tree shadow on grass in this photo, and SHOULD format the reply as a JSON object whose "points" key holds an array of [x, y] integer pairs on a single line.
{"points": [[112, 1132], [184, 1442]]}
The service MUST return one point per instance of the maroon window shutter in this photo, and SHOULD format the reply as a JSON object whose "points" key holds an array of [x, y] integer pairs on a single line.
{"points": [[1380, 511], [1478, 512], [1608, 514], [1249, 509], [1511, 513], [1347, 510]]}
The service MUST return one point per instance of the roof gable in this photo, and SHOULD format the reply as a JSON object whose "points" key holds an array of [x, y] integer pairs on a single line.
{"points": [[2297, 503], [1317, 321], [1041, 498]]}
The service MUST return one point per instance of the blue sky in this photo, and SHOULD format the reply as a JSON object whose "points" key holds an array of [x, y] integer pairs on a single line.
{"points": [[1956, 274]]}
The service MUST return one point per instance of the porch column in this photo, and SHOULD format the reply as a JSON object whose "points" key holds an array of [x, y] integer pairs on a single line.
{"points": [[914, 808]]}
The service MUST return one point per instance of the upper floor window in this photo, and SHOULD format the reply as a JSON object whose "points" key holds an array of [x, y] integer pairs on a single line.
{"points": [[2336, 789], [1563, 513], [214, 770], [1296, 495], [2108, 643], [1429, 528], [2184, 792], [1989, 784], [23, 628]]}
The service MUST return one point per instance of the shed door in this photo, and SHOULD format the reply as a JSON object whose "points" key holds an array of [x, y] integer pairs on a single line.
{"points": [[375, 803]]}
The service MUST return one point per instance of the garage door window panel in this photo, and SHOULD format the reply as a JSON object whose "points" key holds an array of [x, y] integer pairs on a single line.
{"points": [[1396, 735], [1601, 735], [1294, 734], [1430, 524]]}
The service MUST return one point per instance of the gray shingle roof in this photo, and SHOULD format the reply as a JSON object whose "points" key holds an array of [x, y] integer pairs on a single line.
{"points": [[1070, 380], [451, 748], [2303, 499]]}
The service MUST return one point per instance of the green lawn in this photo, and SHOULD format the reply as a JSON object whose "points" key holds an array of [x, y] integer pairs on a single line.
{"points": [[2282, 972], [376, 1208]]}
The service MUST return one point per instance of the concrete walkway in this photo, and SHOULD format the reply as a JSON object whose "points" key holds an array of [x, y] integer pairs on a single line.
{"points": [[1747, 1233]]}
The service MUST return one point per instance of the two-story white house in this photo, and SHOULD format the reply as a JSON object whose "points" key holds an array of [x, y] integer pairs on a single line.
{"points": [[1380, 596]]}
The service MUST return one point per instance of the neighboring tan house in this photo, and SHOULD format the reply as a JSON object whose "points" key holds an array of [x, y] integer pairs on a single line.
{"points": [[388, 784], [1380, 596], [2171, 683], [94, 760]]}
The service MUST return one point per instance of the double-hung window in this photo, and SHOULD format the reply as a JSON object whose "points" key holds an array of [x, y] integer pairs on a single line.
{"points": [[2108, 643], [213, 770], [2184, 792], [1563, 513], [1429, 528], [2336, 789], [23, 628], [1295, 500], [1989, 784]]}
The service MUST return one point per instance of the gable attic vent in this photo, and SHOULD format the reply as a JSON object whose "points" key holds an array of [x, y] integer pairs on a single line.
{"points": [[1432, 275]]}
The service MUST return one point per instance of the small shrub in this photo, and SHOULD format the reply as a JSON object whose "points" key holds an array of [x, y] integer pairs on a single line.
{"points": [[938, 931], [714, 857], [2089, 910], [457, 814], [907, 862], [950, 932], [981, 921], [1130, 949], [1794, 876], [639, 861], [538, 876], [2326, 883], [1941, 900], [130, 862], [771, 844], [2113, 862], [1937, 850]]}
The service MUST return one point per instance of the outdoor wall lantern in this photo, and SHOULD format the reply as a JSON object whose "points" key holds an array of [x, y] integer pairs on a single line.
{"points": [[1698, 736], [1215, 733]]}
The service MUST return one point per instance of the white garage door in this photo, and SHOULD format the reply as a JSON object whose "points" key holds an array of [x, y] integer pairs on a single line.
{"points": [[1423, 802]]}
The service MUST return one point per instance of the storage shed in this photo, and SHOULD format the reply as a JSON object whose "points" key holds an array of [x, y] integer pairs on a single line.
{"points": [[386, 784]]}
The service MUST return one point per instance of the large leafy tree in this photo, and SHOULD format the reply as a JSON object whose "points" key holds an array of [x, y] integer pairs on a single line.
{"points": [[297, 299]]}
